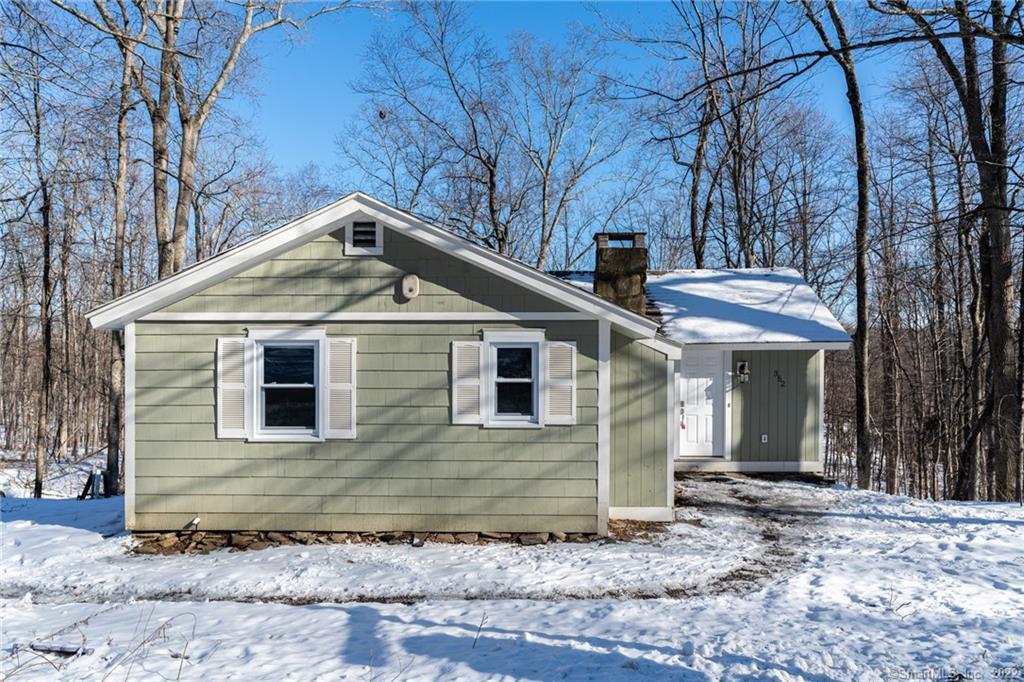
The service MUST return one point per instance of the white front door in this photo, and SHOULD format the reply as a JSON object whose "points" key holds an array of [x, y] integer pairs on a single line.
{"points": [[700, 404]]}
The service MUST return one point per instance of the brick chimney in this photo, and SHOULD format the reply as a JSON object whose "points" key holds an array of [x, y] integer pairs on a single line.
{"points": [[620, 269]]}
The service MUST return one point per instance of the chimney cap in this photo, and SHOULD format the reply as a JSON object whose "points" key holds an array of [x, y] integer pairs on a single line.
{"points": [[633, 240]]}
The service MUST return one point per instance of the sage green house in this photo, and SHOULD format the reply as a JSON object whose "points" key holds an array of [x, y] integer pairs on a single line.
{"points": [[359, 369]]}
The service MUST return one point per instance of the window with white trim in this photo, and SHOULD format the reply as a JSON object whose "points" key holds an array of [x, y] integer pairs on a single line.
{"points": [[364, 238], [515, 381], [514, 378], [513, 370], [287, 376], [286, 385]]}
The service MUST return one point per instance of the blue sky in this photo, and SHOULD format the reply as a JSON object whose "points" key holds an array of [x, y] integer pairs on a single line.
{"points": [[304, 94]]}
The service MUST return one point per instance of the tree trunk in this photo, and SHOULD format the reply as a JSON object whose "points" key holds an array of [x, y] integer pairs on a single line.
{"points": [[186, 190], [66, 432], [45, 301], [698, 230], [862, 338], [991, 159], [1020, 390], [115, 389], [160, 113], [862, 335], [986, 132]]}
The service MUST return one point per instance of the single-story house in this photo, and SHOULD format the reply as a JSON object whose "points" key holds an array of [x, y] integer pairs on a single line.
{"points": [[360, 369]]}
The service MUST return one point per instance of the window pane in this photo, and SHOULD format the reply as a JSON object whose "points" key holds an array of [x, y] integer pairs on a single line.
{"points": [[292, 407], [515, 399], [515, 363], [287, 364]]}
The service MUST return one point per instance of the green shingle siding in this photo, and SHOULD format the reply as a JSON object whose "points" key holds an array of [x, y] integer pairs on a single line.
{"points": [[781, 399], [639, 449], [317, 277], [408, 469]]}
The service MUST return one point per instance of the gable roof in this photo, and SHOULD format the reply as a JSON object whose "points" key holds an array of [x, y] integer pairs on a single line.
{"points": [[132, 306], [749, 307]]}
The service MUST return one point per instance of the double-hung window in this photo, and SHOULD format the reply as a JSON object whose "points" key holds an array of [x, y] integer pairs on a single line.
{"points": [[286, 385], [287, 376], [515, 381], [513, 376]]}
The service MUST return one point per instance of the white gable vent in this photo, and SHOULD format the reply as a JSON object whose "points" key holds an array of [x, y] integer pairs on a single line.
{"points": [[364, 238]]}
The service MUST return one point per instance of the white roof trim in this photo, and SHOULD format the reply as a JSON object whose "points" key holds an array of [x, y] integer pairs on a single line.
{"points": [[119, 312], [364, 317]]}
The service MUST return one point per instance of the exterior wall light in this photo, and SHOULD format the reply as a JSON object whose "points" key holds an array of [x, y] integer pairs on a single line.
{"points": [[743, 371]]}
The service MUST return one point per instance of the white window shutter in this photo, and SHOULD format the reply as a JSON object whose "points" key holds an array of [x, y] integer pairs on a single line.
{"points": [[233, 394], [340, 384], [467, 364], [561, 382]]}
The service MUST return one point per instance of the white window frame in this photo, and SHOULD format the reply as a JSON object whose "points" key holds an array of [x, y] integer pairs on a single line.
{"points": [[352, 250], [533, 339], [314, 338]]}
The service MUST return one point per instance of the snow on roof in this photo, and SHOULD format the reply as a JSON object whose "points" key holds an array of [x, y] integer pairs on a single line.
{"points": [[753, 305], [750, 305]]}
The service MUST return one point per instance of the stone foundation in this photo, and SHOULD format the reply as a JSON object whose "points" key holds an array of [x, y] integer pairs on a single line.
{"points": [[201, 542]]}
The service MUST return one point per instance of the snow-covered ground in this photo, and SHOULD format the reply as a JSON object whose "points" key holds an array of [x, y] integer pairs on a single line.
{"points": [[70, 551], [756, 580]]}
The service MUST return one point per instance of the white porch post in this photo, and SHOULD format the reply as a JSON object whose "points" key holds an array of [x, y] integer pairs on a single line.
{"points": [[129, 425], [604, 386]]}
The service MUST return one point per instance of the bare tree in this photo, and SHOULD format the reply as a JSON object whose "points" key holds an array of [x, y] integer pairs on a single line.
{"points": [[986, 120], [196, 89], [562, 124], [861, 340], [509, 141], [199, 51], [399, 157], [443, 76], [28, 74]]}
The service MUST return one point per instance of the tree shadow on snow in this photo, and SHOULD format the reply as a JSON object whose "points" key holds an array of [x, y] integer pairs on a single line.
{"points": [[524, 658], [517, 653], [363, 646], [520, 653]]}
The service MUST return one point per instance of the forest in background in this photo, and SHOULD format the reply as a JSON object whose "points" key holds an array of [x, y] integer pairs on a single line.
{"points": [[120, 164]]}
